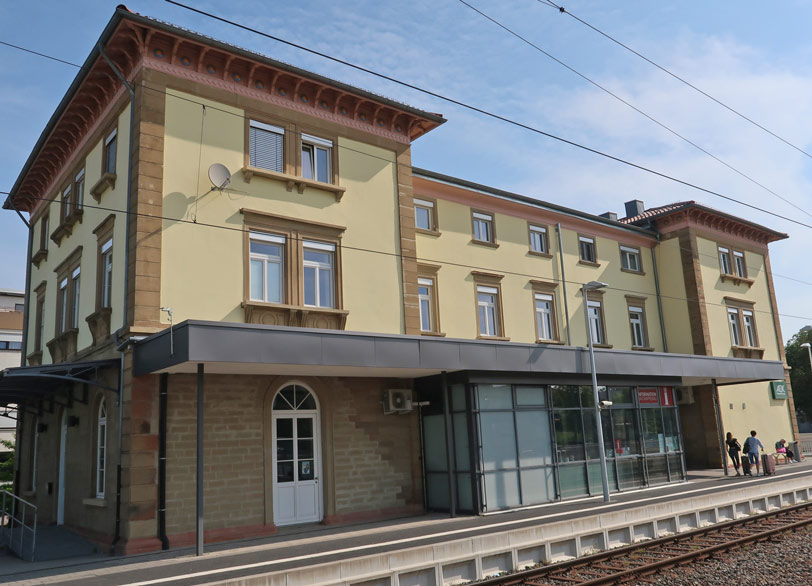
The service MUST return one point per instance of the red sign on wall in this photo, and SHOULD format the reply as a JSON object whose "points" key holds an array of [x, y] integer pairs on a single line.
{"points": [[667, 396], [648, 396]]}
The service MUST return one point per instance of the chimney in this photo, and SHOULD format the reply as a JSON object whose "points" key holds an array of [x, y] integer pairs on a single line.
{"points": [[634, 207], [609, 216]]}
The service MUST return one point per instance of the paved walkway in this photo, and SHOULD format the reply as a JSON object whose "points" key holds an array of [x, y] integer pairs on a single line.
{"points": [[316, 544]]}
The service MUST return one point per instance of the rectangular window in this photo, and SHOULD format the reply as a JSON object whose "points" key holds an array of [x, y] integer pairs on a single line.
{"points": [[109, 155], [488, 310], [74, 317], [586, 248], [750, 328], [101, 449], [735, 327], [724, 261], [424, 215], [595, 313], [67, 201], [545, 317], [62, 300], [106, 263], [79, 189], [318, 264], [39, 333], [426, 296], [638, 327], [44, 236], [630, 259], [738, 263], [317, 158], [267, 267], [538, 240], [483, 227], [266, 146]]}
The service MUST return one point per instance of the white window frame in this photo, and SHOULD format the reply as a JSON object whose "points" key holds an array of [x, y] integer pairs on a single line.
{"points": [[261, 126], [627, 255], [266, 259], [79, 189], [586, 243], [101, 448], [318, 267], [538, 240], [725, 261], [315, 144], [488, 310], [67, 198], [483, 227], [106, 258], [110, 162], [735, 325], [426, 303], [749, 322], [637, 322], [739, 265], [545, 317], [595, 311], [75, 286], [62, 300], [428, 206]]}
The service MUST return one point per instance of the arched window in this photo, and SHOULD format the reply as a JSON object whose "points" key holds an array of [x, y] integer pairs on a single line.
{"points": [[101, 448], [294, 398]]}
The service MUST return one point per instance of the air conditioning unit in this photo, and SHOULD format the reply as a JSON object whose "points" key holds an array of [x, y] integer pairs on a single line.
{"points": [[397, 401], [685, 396]]}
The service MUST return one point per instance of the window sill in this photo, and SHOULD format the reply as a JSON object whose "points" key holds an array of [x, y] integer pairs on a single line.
{"points": [[493, 338], [539, 254], [642, 348], [35, 358], [433, 334], [99, 324], [427, 232], [748, 352], [105, 182], [291, 181], [39, 256], [641, 273], [555, 342], [484, 243], [281, 314], [736, 280], [602, 345], [61, 232], [63, 346], [589, 263], [99, 503]]}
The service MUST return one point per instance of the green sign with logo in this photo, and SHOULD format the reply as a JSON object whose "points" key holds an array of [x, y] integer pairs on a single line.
{"points": [[779, 389]]}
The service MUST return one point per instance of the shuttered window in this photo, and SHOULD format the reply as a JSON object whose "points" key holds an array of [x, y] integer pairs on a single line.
{"points": [[266, 146]]}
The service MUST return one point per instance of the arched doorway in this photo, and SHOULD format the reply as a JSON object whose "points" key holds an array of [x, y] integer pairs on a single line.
{"points": [[297, 497]]}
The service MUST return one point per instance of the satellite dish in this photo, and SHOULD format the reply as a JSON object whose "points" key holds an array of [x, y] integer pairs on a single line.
{"points": [[220, 176]]}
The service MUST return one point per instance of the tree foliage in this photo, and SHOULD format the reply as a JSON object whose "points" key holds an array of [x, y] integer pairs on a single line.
{"points": [[7, 467], [800, 375]]}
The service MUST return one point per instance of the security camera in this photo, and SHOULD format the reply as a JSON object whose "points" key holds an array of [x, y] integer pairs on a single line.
{"points": [[605, 404]]}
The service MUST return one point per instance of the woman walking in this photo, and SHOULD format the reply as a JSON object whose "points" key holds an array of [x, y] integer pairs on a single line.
{"points": [[733, 449]]}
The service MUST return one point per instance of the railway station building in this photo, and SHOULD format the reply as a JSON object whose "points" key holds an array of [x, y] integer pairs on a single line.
{"points": [[370, 340]]}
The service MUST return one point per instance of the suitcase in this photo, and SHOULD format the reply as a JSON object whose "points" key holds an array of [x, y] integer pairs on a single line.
{"points": [[745, 465], [768, 464]]}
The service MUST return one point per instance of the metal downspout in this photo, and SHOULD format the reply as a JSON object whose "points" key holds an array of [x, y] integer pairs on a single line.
{"points": [[162, 417], [718, 412], [120, 347], [564, 283], [27, 303], [659, 298]]}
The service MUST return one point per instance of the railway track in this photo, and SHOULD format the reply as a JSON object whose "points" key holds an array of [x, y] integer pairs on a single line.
{"points": [[639, 560]]}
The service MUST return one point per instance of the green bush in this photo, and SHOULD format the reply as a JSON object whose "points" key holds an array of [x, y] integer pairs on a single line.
{"points": [[7, 468]]}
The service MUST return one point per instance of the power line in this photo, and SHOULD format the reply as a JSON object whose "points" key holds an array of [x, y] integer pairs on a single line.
{"points": [[562, 10], [633, 107], [487, 113]]}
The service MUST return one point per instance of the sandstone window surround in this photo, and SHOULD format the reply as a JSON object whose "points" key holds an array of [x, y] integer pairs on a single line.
{"points": [[108, 170], [483, 228], [295, 155], [68, 279], [35, 357], [42, 253], [638, 323], [733, 266], [428, 299], [299, 264], [488, 303], [71, 204], [545, 311], [539, 240], [99, 320], [425, 216], [631, 261], [587, 250], [597, 319], [741, 318]]}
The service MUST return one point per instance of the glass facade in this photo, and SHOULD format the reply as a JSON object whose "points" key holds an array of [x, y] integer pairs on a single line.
{"points": [[519, 445]]}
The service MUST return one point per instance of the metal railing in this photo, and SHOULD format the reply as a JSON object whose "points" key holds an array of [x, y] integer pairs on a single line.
{"points": [[18, 525], [806, 447]]}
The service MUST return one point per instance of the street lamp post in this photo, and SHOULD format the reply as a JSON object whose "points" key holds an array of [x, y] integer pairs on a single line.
{"points": [[808, 347], [593, 286]]}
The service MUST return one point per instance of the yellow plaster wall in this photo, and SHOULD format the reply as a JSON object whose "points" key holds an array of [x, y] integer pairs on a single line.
{"points": [[202, 264], [458, 256], [674, 297], [112, 199], [716, 290], [754, 408]]}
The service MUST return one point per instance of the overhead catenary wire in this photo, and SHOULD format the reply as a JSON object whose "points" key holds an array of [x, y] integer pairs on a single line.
{"points": [[563, 10], [635, 108]]}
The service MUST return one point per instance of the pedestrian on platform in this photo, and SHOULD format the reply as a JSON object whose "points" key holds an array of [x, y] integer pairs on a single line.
{"points": [[733, 449], [781, 448], [751, 447]]}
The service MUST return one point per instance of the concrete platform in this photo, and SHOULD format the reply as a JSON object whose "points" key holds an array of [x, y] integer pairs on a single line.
{"points": [[434, 550]]}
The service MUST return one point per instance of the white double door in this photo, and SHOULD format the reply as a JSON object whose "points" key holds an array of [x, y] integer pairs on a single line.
{"points": [[297, 496]]}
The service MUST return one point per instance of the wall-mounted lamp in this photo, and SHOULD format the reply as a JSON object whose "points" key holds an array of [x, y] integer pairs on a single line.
{"points": [[168, 311]]}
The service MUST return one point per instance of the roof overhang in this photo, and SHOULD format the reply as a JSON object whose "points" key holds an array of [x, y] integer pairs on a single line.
{"points": [[226, 348]]}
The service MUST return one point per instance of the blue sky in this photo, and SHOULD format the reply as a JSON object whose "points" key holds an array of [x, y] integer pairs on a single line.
{"points": [[754, 56]]}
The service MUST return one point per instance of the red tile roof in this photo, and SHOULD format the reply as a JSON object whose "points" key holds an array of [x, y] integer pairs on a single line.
{"points": [[654, 212]]}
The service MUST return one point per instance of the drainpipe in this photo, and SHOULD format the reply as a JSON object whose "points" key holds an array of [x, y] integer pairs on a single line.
{"points": [[162, 418], [659, 298], [563, 283], [122, 347], [717, 408], [27, 305]]}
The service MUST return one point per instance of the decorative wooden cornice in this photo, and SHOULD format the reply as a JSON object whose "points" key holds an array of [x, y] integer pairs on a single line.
{"points": [[137, 42], [715, 222]]}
